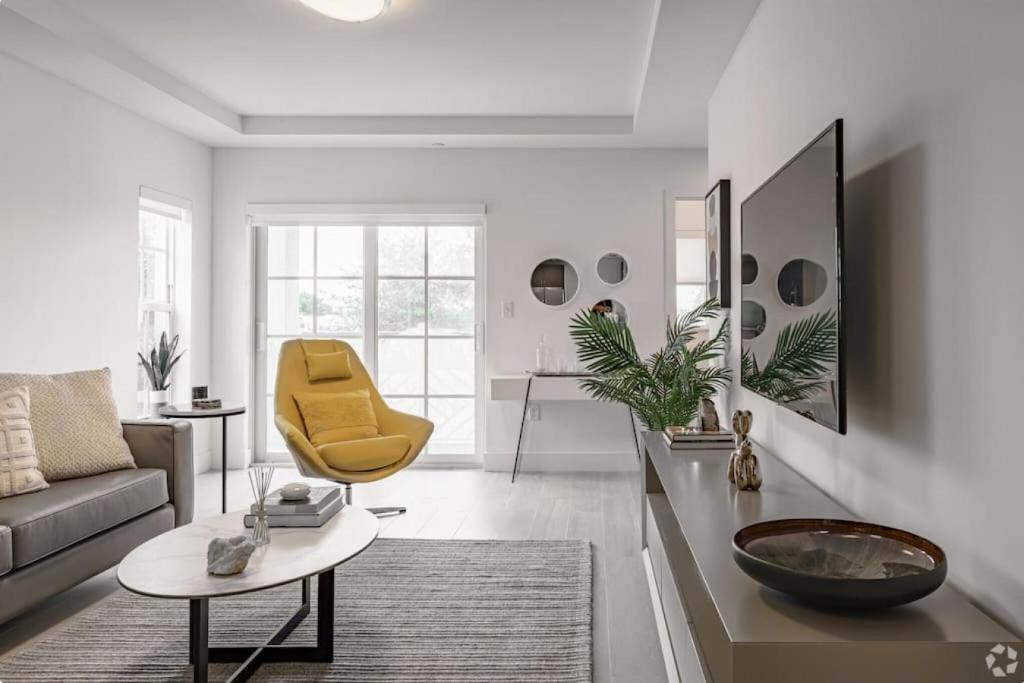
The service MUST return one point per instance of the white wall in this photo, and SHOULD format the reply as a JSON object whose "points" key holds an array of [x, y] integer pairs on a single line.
{"points": [[70, 169], [573, 204], [931, 97]]}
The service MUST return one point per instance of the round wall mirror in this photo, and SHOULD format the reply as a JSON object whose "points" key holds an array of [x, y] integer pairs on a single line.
{"points": [[754, 319], [554, 282], [612, 268], [611, 309], [802, 282], [749, 269]]}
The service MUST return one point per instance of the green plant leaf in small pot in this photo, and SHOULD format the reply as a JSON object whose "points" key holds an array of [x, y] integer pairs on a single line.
{"points": [[161, 362]]}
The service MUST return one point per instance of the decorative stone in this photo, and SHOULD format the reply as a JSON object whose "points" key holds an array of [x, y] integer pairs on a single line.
{"points": [[225, 556], [296, 490], [708, 416]]}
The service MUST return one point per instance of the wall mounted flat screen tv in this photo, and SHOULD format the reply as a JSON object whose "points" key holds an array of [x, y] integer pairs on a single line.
{"points": [[792, 284]]}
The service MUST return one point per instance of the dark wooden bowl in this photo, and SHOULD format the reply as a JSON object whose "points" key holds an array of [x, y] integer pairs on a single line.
{"points": [[839, 563]]}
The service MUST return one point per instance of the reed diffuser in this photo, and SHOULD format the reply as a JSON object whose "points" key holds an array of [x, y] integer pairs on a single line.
{"points": [[260, 477]]}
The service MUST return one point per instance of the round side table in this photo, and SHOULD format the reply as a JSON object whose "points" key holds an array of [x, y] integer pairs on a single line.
{"points": [[188, 412]]}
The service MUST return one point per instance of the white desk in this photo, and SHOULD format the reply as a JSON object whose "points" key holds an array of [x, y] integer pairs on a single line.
{"points": [[528, 387], [546, 388]]}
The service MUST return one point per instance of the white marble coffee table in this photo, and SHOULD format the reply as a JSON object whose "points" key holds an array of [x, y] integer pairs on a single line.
{"points": [[173, 565]]}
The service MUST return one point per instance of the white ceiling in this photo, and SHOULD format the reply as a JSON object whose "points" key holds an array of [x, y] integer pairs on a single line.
{"points": [[550, 73], [424, 57]]}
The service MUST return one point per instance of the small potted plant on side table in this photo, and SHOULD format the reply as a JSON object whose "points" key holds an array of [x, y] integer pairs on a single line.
{"points": [[158, 367]]}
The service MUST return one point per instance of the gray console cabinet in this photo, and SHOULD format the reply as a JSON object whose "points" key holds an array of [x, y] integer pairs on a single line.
{"points": [[726, 628]]}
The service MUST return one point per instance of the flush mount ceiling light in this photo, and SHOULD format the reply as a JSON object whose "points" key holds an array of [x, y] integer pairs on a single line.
{"points": [[348, 10]]}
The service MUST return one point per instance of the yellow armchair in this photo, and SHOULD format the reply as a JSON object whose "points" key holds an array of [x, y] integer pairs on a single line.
{"points": [[401, 439]]}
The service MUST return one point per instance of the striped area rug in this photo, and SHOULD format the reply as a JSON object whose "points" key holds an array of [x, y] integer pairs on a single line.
{"points": [[407, 610]]}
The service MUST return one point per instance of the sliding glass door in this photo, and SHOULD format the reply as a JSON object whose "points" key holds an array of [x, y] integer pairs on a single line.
{"points": [[406, 297]]}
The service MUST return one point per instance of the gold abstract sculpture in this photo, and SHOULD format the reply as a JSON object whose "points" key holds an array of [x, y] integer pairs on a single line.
{"points": [[743, 467]]}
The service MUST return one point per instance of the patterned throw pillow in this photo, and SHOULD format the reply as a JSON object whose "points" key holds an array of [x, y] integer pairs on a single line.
{"points": [[19, 468], [75, 423]]}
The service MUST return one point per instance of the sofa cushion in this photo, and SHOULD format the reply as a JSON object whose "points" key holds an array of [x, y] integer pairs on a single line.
{"points": [[6, 558], [74, 422], [44, 522]]}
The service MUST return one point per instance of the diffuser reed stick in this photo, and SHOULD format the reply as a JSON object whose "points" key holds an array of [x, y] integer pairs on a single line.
{"points": [[260, 477]]}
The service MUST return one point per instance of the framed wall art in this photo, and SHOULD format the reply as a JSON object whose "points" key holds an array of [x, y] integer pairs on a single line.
{"points": [[716, 221]]}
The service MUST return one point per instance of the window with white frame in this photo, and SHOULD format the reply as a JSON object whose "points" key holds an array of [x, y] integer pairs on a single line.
{"points": [[405, 295], [691, 252], [164, 239]]}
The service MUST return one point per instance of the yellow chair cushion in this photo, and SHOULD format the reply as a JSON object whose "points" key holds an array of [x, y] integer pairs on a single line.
{"points": [[365, 455], [337, 417], [334, 365]]}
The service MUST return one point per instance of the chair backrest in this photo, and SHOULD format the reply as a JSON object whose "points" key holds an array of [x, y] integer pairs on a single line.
{"points": [[293, 376]]}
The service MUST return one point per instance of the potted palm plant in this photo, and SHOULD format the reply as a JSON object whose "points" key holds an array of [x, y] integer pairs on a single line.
{"points": [[158, 368], [667, 387]]}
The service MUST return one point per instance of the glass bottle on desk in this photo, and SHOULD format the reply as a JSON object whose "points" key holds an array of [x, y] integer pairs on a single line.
{"points": [[543, 354]]}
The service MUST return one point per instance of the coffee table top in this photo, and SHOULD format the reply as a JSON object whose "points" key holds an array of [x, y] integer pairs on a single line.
{"points": [[173, 565]]}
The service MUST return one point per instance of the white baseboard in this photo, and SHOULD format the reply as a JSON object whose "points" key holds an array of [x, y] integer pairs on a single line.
{"points": [[203, 462], [563, 462]]}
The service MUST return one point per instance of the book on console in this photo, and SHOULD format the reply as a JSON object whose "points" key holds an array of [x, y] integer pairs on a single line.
{"points": [[681, 435], [699, 445], [319, 498], [300, 520]]}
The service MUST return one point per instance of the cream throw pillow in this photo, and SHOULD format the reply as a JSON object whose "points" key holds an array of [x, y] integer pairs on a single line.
{"points": [[75, 424], [19, 468]]}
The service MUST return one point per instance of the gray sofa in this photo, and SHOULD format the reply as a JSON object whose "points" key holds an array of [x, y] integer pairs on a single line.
{"points": [[53, 539]]}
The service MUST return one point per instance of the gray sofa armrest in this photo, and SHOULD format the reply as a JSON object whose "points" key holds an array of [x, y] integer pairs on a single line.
{"points": [[166, 445]]}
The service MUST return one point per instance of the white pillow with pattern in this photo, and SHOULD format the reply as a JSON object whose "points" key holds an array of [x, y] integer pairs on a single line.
{"points": [[19, 467]]}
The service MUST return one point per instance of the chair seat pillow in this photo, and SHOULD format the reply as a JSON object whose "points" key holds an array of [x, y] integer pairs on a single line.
{"points": [[365, 455], [330, 418], [19, 467], [334, 365], [74, 422]]}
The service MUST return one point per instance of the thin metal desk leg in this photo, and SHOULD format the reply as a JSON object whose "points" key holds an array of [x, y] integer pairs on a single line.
{"points": [[522, 424], [632, 428]]}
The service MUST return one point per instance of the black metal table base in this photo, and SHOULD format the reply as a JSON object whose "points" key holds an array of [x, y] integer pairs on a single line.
{"points": [[201, 655], [224, 464]]}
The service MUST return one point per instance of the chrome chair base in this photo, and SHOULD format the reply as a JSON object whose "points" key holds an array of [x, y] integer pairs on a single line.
{"points": [[379, 511]]}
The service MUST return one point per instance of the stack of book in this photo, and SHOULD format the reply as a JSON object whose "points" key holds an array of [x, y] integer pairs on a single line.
{"points": [[322, 503], [206, 403], [683, 439]]}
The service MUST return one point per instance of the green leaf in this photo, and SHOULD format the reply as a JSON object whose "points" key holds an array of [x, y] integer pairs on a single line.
{"points": [[799, 364], [665, 388], [162, 360]]}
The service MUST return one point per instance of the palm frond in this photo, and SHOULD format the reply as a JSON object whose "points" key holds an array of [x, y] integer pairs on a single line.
{"points": [[602, 344], [664, 388], [804, 347], [799, 363]]}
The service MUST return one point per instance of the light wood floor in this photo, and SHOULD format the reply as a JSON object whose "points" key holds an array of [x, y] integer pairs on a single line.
{"points": [[469, 503]]}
